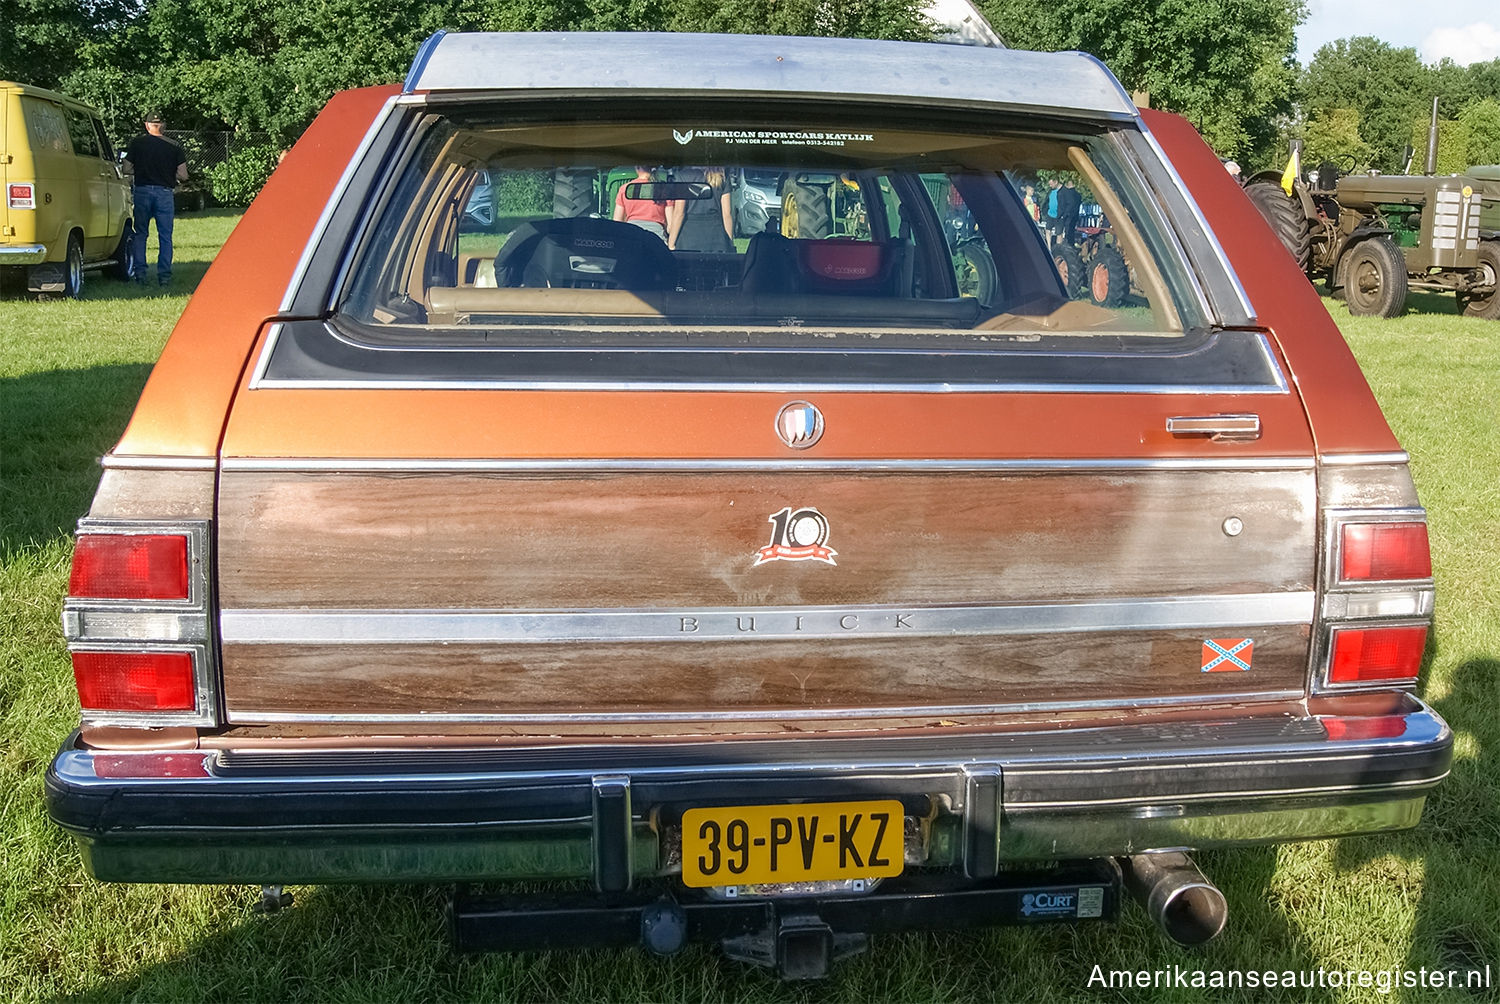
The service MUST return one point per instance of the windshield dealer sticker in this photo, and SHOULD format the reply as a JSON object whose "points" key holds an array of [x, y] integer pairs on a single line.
{"points": [[797, 536], [772, 137], [1227, 655]]}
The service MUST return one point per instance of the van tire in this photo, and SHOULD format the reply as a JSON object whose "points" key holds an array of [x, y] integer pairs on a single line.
{"points": [[73, 267], [122, 263]]}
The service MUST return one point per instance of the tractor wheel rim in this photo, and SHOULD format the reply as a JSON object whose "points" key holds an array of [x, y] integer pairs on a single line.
{"points": [[1099, 285]]}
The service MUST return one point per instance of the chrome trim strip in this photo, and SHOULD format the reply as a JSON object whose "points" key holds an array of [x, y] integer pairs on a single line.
{"points": [[1031, 757], [760, 715], [789, 387], [1406, 603], [263, 363], [750, 624], [1202, 221], [1208, 796], [886, 465], [329, 208], [1360, 459], [131, 462]]}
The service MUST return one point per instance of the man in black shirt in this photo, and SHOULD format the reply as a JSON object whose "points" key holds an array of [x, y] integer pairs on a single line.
{"points": [[1068, 201], [158, 165]]}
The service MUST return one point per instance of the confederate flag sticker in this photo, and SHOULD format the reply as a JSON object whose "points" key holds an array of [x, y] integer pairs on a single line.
{"points": [[1227, 655], [800, 535]]}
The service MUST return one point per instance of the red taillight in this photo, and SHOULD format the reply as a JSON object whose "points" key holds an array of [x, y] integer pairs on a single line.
{"points": [[1380, 551], [135, 681], [20, 195], [136, 566], [1383, 654]]}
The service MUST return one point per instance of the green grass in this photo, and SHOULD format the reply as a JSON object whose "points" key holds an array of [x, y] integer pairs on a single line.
{"points": [[69, 375]]}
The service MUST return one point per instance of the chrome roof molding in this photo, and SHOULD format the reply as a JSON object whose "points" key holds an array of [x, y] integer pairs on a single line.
{"points": [[975, 76]]}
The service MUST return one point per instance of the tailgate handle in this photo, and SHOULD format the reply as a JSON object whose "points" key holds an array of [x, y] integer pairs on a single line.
{"points": [[1219, 428]]}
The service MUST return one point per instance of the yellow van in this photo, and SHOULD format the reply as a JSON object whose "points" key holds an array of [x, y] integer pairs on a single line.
{"points": [[66, 207]]}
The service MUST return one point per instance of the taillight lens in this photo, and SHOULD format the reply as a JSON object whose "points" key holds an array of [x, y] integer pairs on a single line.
{"points": [[20, 195], [1382, 551], [135, 681], [1377, 654], [121, 566]]}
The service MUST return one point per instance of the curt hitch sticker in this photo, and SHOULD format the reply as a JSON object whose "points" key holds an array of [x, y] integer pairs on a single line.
{"points": [[797, 536], [1227, 655]]}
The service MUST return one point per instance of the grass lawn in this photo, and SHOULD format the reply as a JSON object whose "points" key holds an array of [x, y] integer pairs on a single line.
{"points": [[69, 376]]}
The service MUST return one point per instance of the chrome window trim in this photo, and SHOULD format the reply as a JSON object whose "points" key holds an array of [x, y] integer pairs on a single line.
{"points": [[331, 206], [153, 625], [1165, 163], [757, 715], [263, 360], [314, 465], [789, 387], [707, 625]]}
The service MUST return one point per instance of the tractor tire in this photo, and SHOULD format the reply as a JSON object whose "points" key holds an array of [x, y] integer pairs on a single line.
{"points": [[1109, 279], [1069, 265], [122, 264], [1375, 278], [1286, 217], [573, 194], [976, 272], [805, 211], [1486, 305]]}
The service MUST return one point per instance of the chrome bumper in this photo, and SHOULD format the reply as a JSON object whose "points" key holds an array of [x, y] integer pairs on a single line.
{"points": [[22, 254], [610, 811]]}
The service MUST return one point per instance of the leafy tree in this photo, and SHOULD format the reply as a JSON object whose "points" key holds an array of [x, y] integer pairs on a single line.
{"points": [[1452, 150], [1387, 86], [1482, 120], [1227, 65], [40, 40], [1333, 135]]}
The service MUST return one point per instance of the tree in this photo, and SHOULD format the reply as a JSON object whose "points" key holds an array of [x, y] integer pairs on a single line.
{"points": [[1226, 65], [1333, 135], [1482, 120]]}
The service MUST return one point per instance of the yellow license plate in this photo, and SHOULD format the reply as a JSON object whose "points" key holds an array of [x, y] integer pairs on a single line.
{"points": [[754, 844]]}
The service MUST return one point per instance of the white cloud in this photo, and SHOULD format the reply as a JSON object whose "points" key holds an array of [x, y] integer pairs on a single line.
{"points": [[1473, 43]]}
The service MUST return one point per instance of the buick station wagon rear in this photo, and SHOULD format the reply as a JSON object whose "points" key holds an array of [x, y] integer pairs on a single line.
{"points": [[834, 569]]}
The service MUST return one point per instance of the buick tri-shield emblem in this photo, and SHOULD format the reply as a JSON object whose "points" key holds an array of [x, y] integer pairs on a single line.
{"points": [[799, 425]]}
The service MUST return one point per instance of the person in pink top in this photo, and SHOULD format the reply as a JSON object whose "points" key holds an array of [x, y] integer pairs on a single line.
{"points": [[647, 214]]}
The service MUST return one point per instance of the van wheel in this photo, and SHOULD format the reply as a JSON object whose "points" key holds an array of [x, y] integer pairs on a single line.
{"points": [[73, 268], [1375, 279], [1486, 305], [122, 264]]}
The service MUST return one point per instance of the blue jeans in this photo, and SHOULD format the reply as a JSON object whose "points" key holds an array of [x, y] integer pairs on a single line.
{"points": [[153, 202]]}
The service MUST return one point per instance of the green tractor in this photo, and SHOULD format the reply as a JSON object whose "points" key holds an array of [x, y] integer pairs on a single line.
{"points": [[1373, 237]]}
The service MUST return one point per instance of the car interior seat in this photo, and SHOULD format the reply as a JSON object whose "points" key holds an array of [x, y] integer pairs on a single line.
{"points": [[582, 252]]}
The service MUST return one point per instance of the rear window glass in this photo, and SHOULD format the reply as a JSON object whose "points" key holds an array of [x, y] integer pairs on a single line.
{"points": [[805, 232], [46, 126]]}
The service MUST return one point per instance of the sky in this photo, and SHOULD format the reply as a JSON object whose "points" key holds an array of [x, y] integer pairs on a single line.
{"points": [[1466, 31]]}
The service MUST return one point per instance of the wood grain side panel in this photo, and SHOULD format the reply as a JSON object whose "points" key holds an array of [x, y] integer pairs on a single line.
{"points": [[755, 676], [154, 494], [452, 540]]}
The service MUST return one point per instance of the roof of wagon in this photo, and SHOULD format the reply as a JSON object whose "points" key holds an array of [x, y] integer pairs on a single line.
{"points": [[924, 73]]}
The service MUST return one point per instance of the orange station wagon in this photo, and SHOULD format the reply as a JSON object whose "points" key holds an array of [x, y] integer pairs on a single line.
{"points": [[772, 589]]}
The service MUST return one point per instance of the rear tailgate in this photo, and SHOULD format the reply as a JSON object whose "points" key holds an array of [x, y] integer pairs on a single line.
{"points": [[610, 555]]}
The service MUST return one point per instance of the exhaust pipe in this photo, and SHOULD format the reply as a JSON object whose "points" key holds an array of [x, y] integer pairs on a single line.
{"points": [[1186, 906]]}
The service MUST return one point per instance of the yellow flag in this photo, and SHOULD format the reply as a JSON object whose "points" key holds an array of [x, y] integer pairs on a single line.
{"points": [[1293, 168]]}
